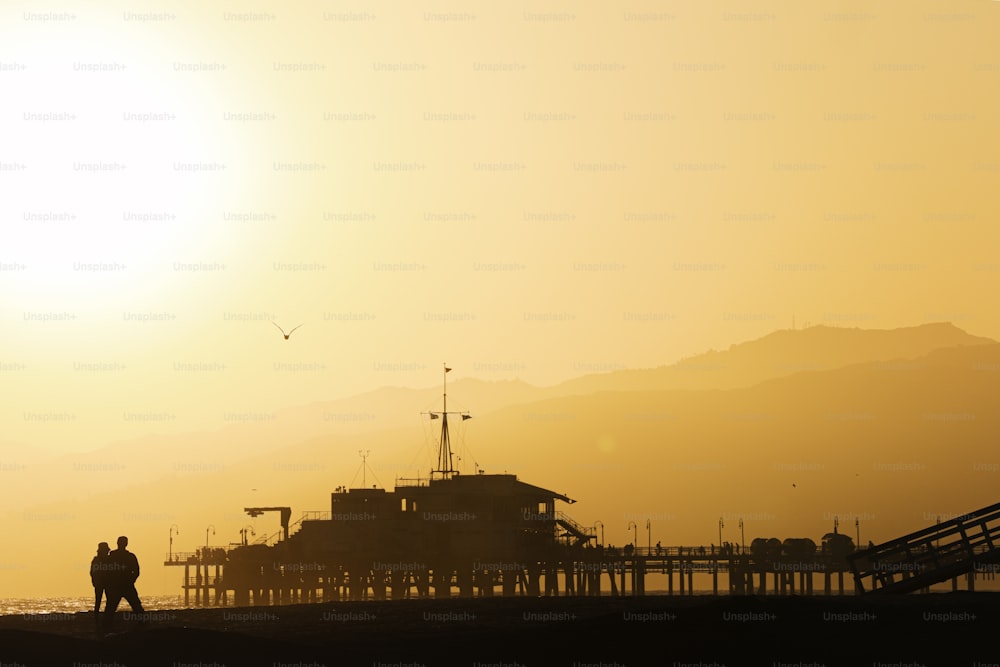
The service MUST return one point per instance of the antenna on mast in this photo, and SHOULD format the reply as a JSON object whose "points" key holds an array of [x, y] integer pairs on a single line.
{"points": [[363, 469]]}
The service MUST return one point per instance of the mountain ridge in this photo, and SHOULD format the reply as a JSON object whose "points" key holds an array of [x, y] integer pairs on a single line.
{"points": [[386, 409]]}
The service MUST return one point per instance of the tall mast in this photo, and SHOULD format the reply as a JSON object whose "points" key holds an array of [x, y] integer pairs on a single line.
{"points": [[445, 468], [444, 449]]}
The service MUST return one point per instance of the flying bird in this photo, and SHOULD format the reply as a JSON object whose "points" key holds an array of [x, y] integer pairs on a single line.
{"points": [[286, 335]]}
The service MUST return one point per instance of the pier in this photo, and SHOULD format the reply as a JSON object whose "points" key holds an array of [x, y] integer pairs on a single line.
{"points": [[266, 574], [256, 574]]}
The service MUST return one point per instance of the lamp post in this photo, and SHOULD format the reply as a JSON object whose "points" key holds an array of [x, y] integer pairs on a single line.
{"points": [[635, 529], [211, 527], [721, 526], [247, 529], [602, 530], [649, 538], [857, 533], [743, 542], [170, 551]]}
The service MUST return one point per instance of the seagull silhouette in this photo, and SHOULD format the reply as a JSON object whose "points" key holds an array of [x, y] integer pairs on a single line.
{"points": [[286, 335]]}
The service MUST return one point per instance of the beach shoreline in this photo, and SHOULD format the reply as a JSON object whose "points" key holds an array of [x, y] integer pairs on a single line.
{"points": [[929, 629]]}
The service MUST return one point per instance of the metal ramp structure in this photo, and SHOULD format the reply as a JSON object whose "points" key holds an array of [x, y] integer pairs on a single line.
{"points": [[575, 533], [964, 545]]}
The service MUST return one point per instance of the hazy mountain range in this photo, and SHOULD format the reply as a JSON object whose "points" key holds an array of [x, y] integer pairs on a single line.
{"points": [[778, 354], [892, 427]]}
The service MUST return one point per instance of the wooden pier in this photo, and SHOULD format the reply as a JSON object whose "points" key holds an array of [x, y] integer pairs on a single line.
{"points": [[218, 576]]}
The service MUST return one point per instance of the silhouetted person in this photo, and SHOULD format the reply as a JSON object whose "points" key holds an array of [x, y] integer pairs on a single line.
{"points": [[120, 583], [99, 569]]}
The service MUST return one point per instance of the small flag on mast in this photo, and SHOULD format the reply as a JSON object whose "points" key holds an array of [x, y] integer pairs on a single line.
{"points": [[446, 369]]}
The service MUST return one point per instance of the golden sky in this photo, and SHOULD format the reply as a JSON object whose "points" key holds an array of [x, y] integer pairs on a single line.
{"points": [[534, 191]]}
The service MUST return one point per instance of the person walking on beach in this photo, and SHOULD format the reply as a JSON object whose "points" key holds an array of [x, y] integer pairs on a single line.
{"points": [[123, 571], [99, 571]]}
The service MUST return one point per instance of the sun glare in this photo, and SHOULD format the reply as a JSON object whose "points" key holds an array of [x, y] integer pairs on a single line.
{"points": [[98, 215]]}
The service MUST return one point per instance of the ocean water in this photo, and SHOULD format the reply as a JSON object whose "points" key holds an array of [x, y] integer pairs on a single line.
{"points": [[55, 605], [33, 606], [22, 606]]}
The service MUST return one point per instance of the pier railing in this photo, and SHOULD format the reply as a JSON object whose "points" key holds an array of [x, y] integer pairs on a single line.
{"points": [[675, 551], [929, 556], [209, 555]]}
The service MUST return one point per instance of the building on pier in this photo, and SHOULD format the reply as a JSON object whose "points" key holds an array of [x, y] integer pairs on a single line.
{"points": [[427, 537]]}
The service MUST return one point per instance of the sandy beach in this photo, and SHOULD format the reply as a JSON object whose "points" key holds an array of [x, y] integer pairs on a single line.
{"points": [[934, 629]]}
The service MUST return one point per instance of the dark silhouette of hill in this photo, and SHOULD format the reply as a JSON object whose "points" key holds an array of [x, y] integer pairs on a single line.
{"points": [[897, 443], [143, 459], [779, 353]]}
